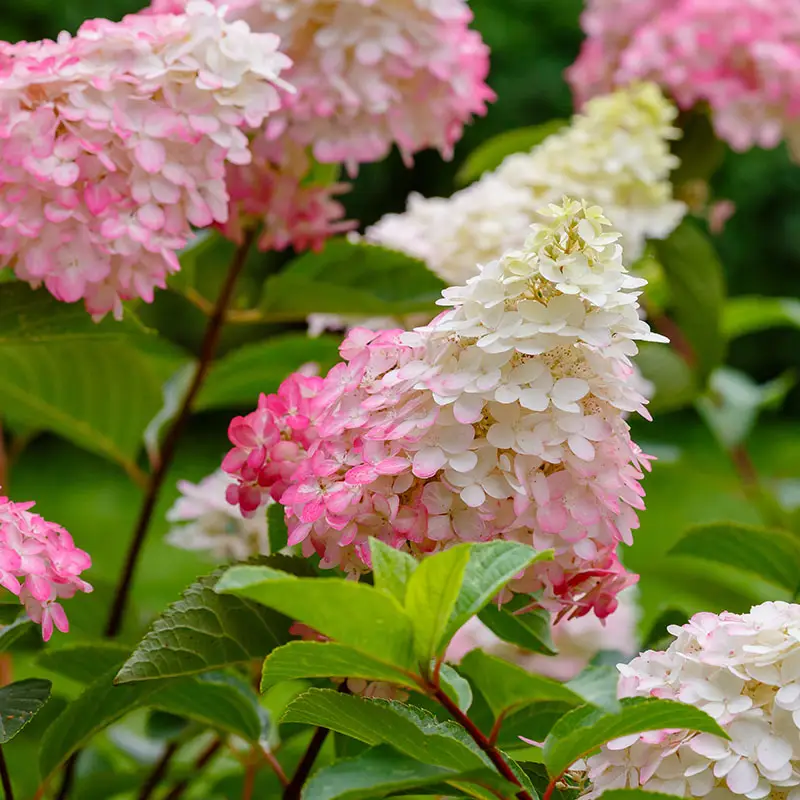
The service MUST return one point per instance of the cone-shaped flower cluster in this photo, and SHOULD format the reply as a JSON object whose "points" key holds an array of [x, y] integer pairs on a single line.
{"points": [[40, 564], [740, 57], [113, 144], [615, 154], [503, 418], [743, 670], [203, 520]]}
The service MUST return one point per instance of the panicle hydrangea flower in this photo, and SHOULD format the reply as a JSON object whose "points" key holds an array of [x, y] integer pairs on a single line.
{"points": [[578, 641], [40, 564], [275, 192], [502, 418], [616, 154], [743, 670], [113, 144], [372, 74], [740, 57], [205, 521]]}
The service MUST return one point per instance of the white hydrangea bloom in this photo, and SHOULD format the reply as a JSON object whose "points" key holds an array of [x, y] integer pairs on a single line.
{"points": [[743, 670], [205, 521], [615, 153]]}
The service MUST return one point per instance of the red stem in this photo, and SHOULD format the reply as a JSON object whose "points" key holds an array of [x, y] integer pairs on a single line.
{"points": [[472, 729]]}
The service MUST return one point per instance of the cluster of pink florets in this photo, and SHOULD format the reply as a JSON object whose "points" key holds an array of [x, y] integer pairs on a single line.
{"points": [[503, 418], [113, 144], [741, 57], [367, 76], [40, 564]]}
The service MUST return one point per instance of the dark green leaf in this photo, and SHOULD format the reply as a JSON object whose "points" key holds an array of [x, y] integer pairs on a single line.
{"points": [[507, 686], [492, 152], [277, 529], [239, 377], [674, 383], [326, 660], [530, 631], [491, 566], [382, 770], [351, 278], [583, 730], [19, 703], [214, 700], [431, 596], [750, 314], [773, 555], [84, 662], [10, 634], [411, 730], [697, 287], [391, 568], [30, 316], [204, 631], [533, 722], [351, 613]]}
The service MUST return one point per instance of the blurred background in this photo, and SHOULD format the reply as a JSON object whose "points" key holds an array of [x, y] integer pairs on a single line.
{"points": [[532, 42]]}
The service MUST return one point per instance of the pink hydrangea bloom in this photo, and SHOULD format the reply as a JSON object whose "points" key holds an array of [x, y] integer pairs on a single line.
{"points": [[578, 641], [741, 57], [744, 671], [113, 144], [273, 191], [40, 564], [372, 74], [503, 418]]}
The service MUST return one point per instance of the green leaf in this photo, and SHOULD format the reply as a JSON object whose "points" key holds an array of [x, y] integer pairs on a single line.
{"points": [[751, 314], [675, 385], [455, 687], [325, 660], [99, 394], [431, 598], [173, 393], [30, 316], [100, 704], [10, 634], [382, 770], [491, 566], [83, 662], [208, 248], [583, 730], [375, 773], [697, 288], [391, 568], [492, 152], [19, 703], [351, 278], [411, 730], [277, 530], [530, 631], [597, 685], [204, 631], [214, 700], [239, 377], [734, 400], [507, 687], [773, 555], [351, 613]]}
